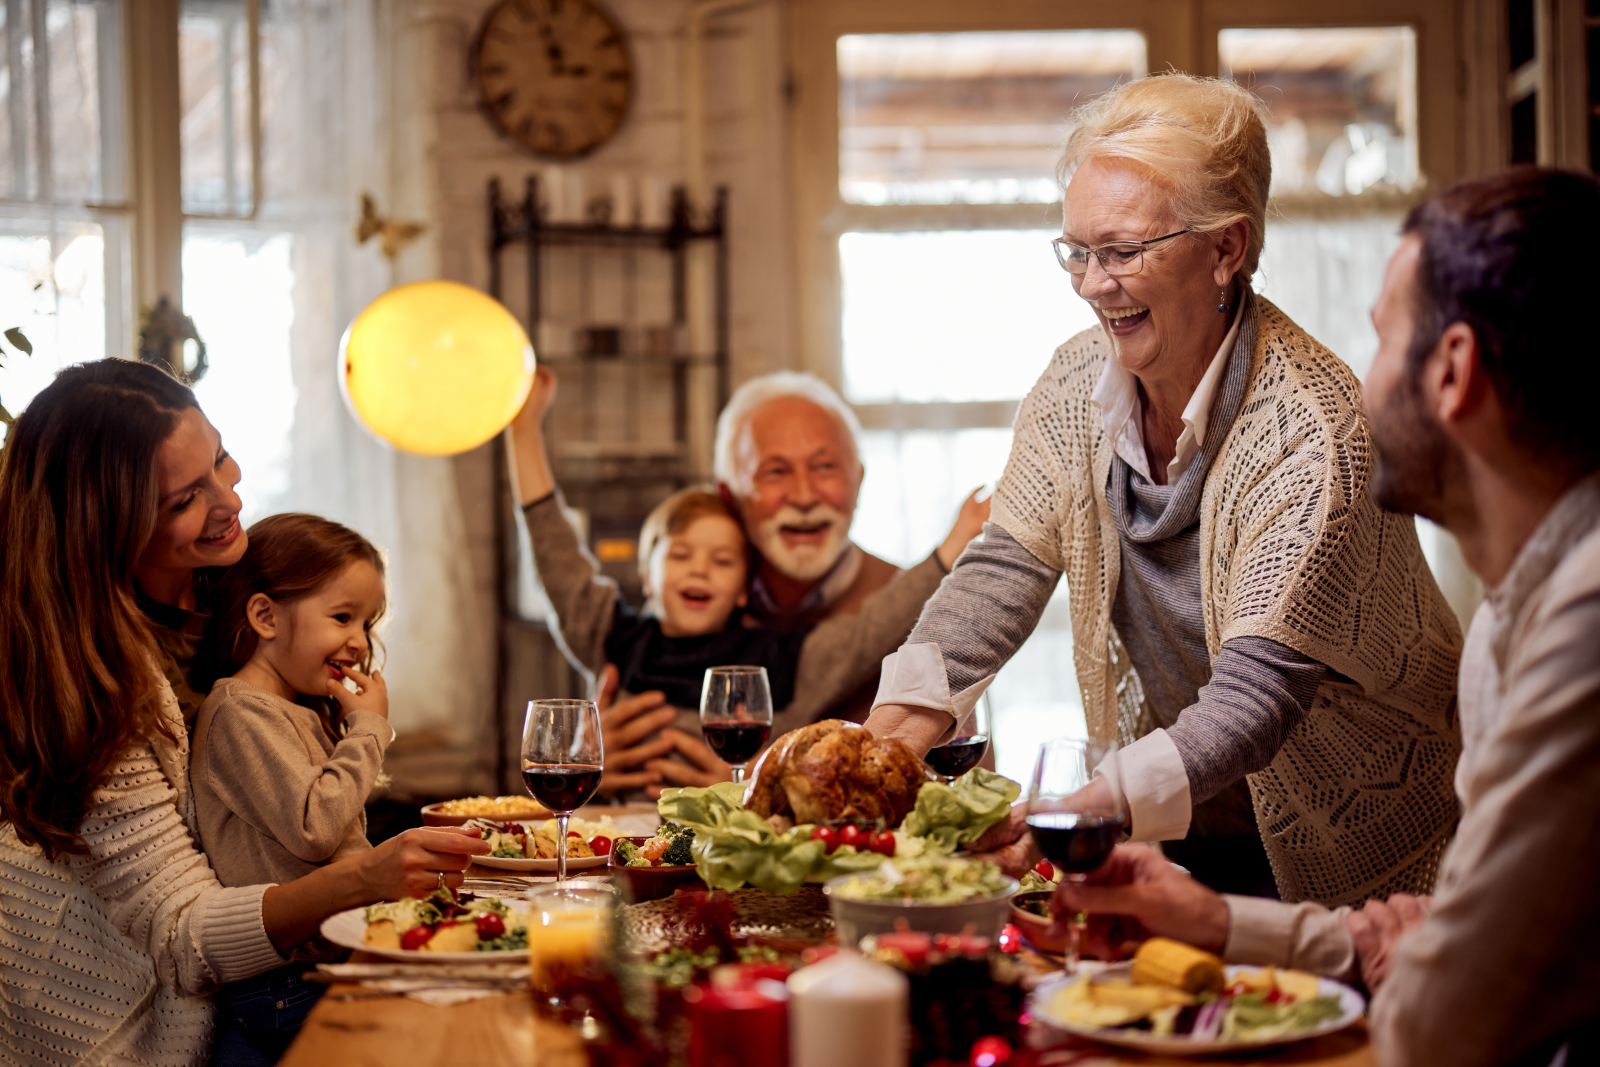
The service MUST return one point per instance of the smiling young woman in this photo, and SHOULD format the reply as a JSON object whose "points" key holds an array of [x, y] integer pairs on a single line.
{"points": [[95, 799]]}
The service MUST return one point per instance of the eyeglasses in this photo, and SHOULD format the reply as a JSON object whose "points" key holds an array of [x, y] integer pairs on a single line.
{"points": [[1116, 259]]}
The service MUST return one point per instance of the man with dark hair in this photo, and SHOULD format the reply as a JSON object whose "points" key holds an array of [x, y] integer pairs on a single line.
{"points": [[1479, 402]]}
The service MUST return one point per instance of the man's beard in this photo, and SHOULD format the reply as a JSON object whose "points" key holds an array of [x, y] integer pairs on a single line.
{"points": [[1413, 457], [803, 563]]}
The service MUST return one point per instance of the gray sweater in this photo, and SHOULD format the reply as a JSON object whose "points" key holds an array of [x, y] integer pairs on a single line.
{"points": [[838, 656], [276, 795]]}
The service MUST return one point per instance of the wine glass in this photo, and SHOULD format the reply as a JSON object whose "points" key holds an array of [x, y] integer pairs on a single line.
{"points": [[1076, 820], [966, 749], [736, 713], [562, 759]]}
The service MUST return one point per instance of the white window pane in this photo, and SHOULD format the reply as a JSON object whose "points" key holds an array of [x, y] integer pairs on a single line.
{"points": [[1325, 274], [952, 315], [238, 289], [214, 67], [976, 118], [58, 303], [1343, 104]]}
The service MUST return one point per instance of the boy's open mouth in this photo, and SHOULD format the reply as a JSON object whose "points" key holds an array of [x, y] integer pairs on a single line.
{"points": [[696, 597]]}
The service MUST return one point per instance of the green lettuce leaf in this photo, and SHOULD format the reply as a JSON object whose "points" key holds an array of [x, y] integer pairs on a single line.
{"points": [[734, 847], [958, 814]]}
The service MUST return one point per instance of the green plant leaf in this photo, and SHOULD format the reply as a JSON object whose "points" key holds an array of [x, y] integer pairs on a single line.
{"points": [[19, 340]]}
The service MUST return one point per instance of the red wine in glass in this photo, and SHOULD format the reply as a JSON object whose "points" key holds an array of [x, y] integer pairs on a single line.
{"points": [[736, 742], [958, 756], [1076, 843], [736, 713], [563, 753], [561, 787]]}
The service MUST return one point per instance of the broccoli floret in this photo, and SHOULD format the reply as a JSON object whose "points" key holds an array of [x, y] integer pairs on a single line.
{"points": [[678, 852], [668, 829], [625, 852]]}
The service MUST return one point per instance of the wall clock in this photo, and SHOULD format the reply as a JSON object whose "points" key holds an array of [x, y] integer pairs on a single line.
{"points": [[554, 75]]}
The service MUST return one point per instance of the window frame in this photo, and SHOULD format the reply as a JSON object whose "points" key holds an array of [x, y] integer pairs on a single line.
{"points": [[1182, 36]]}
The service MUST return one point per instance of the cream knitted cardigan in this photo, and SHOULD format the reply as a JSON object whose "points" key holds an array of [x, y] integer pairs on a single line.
{"points": [[1359, 800], [109, 957]]}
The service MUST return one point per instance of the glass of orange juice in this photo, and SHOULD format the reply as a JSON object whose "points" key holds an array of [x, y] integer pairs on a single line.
{"points": [[567, 935]]}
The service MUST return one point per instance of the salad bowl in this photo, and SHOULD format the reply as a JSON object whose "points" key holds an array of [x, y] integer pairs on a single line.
{"points": [[855, 918]]}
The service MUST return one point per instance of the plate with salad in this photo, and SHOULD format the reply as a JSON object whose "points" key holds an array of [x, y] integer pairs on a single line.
{"points": [[442, 927], [1176, 1000], [531, 846]]}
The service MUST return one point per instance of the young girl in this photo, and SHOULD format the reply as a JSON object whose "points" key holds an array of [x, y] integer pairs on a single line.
{"points": [[284, 753]]}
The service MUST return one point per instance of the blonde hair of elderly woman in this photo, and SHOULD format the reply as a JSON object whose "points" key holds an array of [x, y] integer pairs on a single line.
{"points": [[1204, 139]]}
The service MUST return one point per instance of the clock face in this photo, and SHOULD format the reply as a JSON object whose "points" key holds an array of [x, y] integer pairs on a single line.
{"points": [[554, 75]]}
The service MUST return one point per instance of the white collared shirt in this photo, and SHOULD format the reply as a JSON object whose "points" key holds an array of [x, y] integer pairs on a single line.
{"points": [[1117, 394]]}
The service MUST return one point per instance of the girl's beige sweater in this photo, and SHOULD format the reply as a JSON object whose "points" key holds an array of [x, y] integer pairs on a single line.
{"points": [[110, 957], [1359, 800]]}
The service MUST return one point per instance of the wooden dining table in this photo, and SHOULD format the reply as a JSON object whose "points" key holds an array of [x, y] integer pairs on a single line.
{"points": [[354, 1026], [354, 1030]]}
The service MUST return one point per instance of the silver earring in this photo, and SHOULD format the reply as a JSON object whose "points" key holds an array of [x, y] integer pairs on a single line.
{"points": [[1222, 301]]}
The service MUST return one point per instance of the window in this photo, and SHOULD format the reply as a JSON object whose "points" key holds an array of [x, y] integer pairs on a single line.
{"points": [[63, 236], [951, 300]]}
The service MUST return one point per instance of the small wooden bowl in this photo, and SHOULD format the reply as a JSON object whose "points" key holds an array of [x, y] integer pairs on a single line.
{"points": [[1036, 928], [651, 883], [432, 816]]}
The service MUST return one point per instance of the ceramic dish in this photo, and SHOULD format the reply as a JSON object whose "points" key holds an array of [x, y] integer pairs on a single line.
{"points": [[432, 816], [522, 863], [348, 927], [855, 919], [1351, 1005], [653, 883], [1035, 927]]}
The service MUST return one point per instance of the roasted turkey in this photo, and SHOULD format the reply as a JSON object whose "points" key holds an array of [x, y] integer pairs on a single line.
{"points": [[837, 771]]}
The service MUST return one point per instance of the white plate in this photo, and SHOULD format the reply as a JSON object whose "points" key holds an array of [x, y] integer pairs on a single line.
{"points": [[509, 863], [348, 927], [1351, 1005]]}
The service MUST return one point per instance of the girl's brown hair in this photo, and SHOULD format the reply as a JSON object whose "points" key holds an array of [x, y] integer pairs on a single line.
{"points": [[78, 681], [289, 557]]}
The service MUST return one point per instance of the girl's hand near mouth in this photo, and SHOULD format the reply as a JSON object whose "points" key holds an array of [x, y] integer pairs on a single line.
{"points": [[373, 694]]}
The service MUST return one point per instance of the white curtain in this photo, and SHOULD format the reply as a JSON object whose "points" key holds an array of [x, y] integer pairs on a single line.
{"points": [[345, 119]]}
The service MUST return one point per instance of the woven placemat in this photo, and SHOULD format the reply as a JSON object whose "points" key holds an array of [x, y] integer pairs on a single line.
{"points": [[802, 916]]}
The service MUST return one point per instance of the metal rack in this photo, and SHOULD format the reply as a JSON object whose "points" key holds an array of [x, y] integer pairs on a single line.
{"points": [[606, 386]]}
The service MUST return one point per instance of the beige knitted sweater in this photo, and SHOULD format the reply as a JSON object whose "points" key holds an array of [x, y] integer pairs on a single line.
{"points": [[109, 957], [1359, 800]]}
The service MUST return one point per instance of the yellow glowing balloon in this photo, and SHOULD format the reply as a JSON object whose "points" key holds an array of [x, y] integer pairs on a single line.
{"points": [[435, 367]]}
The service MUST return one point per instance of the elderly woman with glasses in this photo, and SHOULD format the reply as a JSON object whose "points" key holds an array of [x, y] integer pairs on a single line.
{"points": [[1268, 644]]}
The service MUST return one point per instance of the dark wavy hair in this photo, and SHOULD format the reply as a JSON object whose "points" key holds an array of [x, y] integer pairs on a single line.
{"points": [[78, 681], [288, 557], [1512, 255]]}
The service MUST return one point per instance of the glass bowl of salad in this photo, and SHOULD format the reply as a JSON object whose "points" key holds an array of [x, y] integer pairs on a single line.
{"points": [[933, 894]]}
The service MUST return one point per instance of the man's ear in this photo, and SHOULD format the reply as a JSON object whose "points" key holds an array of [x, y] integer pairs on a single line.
{"points": [[1454, 382], [262, 615], [725, 491]]}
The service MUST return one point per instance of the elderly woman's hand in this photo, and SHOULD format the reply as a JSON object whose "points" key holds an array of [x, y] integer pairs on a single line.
{"points": [[1137, 893], [1377, 928]]}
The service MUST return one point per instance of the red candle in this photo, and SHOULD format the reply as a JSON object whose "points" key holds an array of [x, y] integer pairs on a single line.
{"points": [[912, 945], [739, 1025]]}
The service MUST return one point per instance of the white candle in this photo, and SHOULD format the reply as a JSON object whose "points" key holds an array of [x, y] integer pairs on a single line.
{"points": [[848, 1011]]}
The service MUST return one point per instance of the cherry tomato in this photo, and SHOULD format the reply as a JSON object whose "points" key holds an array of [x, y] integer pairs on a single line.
{"points": [[990, 1052], [574, 833], [882, 842], [415, 938], [854, 836], [828, 836], [601, 845], [490, 926], [1044, 870]]}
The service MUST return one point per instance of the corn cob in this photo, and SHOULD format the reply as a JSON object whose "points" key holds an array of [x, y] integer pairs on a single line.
{"points": [[1164, 962]]}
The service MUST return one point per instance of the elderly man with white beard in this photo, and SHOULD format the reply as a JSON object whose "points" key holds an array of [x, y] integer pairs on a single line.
{"points": [[786, 455], [787, 462]]}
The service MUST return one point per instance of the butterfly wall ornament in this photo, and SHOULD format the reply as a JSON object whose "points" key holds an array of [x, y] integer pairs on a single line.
{"points": [[393, 236]]}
